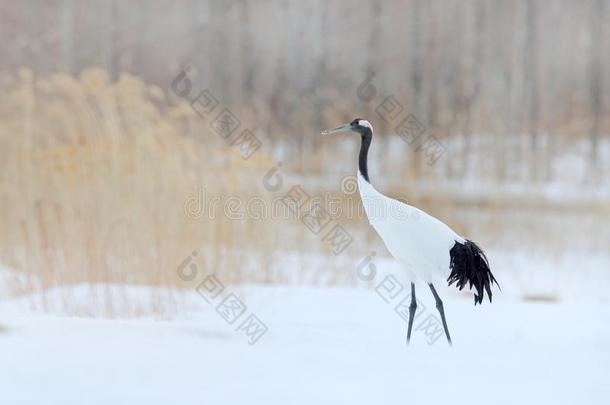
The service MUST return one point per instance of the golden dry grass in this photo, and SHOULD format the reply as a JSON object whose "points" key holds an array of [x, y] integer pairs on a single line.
{"points": [[94, 176]]}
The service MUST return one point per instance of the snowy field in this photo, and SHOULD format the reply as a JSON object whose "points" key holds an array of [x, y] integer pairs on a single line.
{"points": [[322, 345]]}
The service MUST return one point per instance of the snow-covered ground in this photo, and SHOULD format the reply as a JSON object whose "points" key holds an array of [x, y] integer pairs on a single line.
{"points": [[321, 346]]}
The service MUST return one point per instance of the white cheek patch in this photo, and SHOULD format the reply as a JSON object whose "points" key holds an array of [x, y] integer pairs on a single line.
{"points": [[365, 123]]}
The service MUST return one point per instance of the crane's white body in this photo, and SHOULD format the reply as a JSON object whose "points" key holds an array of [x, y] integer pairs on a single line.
{"points": [[427, 248], [417, 240]]}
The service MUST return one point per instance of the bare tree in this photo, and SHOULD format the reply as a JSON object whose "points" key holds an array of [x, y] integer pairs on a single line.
{"points": [[595, 73]]}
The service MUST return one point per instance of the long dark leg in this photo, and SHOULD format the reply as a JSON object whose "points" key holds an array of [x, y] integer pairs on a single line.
{"points": [[439, 306], [412, 308]]}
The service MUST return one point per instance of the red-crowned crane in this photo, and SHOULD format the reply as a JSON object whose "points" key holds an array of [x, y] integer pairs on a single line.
{"points": [[426, 247]]}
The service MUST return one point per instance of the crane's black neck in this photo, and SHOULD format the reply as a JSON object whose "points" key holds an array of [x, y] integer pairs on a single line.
{"points": [[366, 136]]}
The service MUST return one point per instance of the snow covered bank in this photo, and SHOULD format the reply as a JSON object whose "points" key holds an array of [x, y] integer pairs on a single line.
{"points": [[323, 346]]}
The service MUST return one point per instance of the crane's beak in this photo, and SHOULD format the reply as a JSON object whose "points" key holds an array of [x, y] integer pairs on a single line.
{"points": [[342, 128]]}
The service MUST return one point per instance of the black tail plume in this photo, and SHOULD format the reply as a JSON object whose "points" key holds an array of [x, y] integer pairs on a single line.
{"points": [[469, 265]]}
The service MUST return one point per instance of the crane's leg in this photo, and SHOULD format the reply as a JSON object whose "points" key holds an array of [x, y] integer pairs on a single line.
{"points": [[439, 306], [412, 308]]}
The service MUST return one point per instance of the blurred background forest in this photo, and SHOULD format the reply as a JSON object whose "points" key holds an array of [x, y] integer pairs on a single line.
{"points": [[99, 157]]}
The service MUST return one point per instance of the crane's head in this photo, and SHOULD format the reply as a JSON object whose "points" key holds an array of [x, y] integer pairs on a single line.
{"points": [[362, 126]]}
